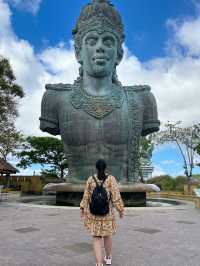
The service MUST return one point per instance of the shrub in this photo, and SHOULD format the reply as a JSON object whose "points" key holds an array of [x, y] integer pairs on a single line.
{"points": [[180, 181], [164, 182]]}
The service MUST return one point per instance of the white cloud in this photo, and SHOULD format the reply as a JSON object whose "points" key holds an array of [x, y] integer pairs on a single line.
{"points": [[61, 63], [158, 171], [4, 19], [186, 34], [167, 162], [174, 81], [178, 173], [33, 70], [31, 6]]}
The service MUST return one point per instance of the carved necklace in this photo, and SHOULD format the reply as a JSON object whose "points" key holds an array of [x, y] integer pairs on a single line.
{"points": [[97, 106]]}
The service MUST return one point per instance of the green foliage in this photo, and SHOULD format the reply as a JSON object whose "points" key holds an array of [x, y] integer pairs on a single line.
{"points": [[10, 139], [10, 92], [52, 173], [186, 139], [169, 183], [180, 181], [198, 151], [165, 182], [145, 143], [196, 176], [46, 151]]}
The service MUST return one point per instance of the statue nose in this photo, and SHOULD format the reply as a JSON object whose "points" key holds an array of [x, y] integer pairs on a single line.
{"points": [[100, 48]]}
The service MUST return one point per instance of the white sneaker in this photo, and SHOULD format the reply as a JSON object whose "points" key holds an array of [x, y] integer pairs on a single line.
{"points": [[108, 261]]}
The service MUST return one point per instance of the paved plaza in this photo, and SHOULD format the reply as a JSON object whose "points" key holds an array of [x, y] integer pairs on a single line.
{"points": [[50, 236]]}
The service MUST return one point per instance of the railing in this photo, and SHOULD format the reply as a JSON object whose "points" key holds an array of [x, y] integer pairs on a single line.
{"points": [[197, 193]]}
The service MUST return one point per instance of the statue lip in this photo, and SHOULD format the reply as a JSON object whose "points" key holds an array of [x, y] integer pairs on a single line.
{"points": [[100, 58]]}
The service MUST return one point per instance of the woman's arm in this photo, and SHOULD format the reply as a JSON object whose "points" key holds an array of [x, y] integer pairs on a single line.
{"points": [[86, 196], [116, 197]]}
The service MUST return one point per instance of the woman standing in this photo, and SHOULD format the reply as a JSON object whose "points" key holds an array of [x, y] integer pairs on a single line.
{"points": [[101, 226]]}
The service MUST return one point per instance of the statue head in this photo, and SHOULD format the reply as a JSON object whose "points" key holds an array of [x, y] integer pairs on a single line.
{"points": [[100, 24]]}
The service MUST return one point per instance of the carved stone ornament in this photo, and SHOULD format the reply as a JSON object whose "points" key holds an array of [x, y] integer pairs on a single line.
{"points": [[97, 106], [134, 136]]}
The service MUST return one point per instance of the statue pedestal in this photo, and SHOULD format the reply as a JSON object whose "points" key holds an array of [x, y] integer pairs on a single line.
{"points": [[69, 194]]}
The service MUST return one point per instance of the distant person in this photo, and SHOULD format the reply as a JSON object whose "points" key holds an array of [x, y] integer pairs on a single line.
{"points": [[96, 208]]}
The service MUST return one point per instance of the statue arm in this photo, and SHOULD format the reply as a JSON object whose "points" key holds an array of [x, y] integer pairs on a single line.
{"points": [[49, 117], [150, 118]]}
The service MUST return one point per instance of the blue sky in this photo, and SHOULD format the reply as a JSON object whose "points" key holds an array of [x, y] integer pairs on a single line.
{"points": [[144, 20], [162, 49]]}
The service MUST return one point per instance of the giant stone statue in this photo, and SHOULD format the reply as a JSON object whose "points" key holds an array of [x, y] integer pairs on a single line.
{"points": [[98, 117]]}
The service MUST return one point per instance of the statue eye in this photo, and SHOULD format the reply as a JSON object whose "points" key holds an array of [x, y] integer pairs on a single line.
{"points": [[91, 41], [109, 42]]}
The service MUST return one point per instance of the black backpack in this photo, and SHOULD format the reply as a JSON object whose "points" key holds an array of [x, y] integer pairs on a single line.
{"points": [[99, 204]]}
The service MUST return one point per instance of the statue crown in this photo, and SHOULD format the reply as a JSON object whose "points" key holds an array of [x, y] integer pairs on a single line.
{"points": [[98, 15]]}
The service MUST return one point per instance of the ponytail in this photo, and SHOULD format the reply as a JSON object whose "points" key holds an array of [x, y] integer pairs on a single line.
{"points": [[101, 166]]}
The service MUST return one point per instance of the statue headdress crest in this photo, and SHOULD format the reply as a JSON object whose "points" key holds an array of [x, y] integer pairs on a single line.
{"points": [[98, 15]]}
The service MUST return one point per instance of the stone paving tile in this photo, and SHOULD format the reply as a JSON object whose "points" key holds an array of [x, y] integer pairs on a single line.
{"points": [[185, 222], [26, 230], [80, 248], [131, 215], [52, 214], [147, 230], [62, 240]]}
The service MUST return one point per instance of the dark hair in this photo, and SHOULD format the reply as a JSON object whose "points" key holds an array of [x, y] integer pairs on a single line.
{"points": [[101, 166]]}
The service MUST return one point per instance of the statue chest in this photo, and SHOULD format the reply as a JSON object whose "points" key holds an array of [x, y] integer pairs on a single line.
{"points": [[111, 133], [81, 128]]}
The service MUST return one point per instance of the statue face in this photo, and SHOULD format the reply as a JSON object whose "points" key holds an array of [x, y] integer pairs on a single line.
{"points": [[98, 54]]}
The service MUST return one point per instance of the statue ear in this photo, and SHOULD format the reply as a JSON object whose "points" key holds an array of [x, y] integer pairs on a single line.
{"points": [[118, 61], [120, 54], [78, 55]]}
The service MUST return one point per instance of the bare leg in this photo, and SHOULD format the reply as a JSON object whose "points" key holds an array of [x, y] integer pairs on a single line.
{"points": [[97, 249], [108, 245]]}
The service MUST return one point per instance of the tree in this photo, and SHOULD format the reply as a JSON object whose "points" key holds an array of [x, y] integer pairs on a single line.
{"points": [[10, 139], [168, 183], [186, 139], [10, 92], [164, 182], [198, 152], [180, 181], [46, 151]]}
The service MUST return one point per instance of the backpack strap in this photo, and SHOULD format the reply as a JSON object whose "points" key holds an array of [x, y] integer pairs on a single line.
{"points": [[104, 180], [95, 180], [101, 182]]}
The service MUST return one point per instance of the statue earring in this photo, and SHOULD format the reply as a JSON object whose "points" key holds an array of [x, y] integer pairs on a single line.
{"points": [[81, 71]]}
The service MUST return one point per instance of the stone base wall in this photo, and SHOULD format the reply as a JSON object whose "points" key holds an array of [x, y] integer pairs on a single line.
{"points": [[131, 199]]}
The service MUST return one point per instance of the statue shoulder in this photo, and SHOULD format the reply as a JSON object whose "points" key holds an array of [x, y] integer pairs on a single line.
{"points": [[52, 99], [59, 87], [137, 88], [55, 92], [142, 92], [139, 93]]}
